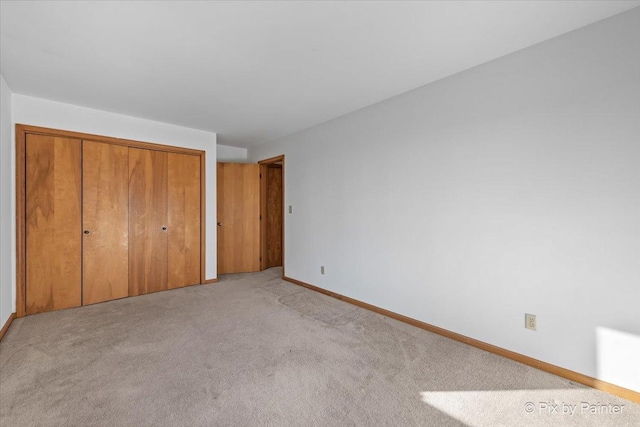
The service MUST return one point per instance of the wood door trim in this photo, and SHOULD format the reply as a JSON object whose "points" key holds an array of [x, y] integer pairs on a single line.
{"points": [[36, 130], [21, 229], [21, 199], [263, 217], [625, 393], [203, 216], [263, 196], [5, 328], [272, 160]]}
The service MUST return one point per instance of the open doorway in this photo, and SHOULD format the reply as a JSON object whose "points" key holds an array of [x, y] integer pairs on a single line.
{"points": [[272, 212]]}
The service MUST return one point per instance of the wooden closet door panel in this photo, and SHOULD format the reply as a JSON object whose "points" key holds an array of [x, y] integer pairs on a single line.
{"points": [[147, 218], [53, 223], [105, 205], [184, 220], [273, 218], [239, 217]]}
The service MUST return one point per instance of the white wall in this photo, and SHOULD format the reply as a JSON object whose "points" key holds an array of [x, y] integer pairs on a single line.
{"points": [[619, 357], [225, 153], [6, 232], [41, 112], [511, 187]]}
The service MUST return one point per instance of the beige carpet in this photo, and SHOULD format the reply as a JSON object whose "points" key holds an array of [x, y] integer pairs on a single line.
{"points": [[254, 350]]}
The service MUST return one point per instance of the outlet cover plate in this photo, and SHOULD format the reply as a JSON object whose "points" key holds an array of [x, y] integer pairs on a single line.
{"points": [[530, 321]]}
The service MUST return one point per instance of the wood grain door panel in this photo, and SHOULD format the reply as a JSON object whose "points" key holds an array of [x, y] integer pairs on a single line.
{"points": [[53, 223], [238, 199], [183, 220], [273, 220], [147, 218], [105, 251]]}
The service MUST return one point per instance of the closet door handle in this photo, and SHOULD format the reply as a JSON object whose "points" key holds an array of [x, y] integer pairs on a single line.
{"points": [[164, 228], [219, 224], [86, 232]]}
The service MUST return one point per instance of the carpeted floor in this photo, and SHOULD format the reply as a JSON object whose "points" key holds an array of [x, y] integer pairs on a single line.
{"points": [[254, 350]]}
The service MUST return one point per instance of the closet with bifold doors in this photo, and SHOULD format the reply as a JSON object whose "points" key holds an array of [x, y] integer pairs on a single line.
{"points": [[101, 218]]}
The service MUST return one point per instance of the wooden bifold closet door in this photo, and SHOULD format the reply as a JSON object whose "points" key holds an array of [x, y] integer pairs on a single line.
{"points": [[147, 221], [183, 182], [53, 191], [105, 217], [105, 220], [164, 221]]}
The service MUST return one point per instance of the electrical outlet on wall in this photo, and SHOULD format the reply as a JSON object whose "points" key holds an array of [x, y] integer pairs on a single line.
{"points": [[322, 269], [530, 321]]}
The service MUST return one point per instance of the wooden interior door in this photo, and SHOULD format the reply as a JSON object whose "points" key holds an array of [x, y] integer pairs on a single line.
{"points": [[147, 221], [53, 223], [238, 191], [183, 220], [105, 207], [274, 212]]}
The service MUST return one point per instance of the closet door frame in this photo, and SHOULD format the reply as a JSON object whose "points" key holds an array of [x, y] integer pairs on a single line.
{"points": [[21, 232]]}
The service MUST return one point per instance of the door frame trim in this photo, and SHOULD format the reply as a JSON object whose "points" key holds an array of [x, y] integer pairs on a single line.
{"points": [[263, 207], [22, 131]]}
